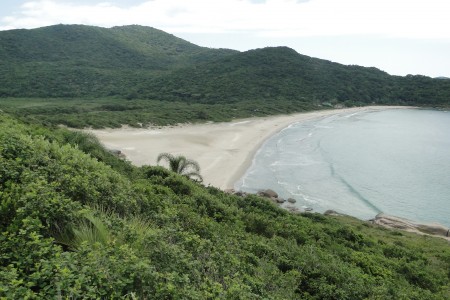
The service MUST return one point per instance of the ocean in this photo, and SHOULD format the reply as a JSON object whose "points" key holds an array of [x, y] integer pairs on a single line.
{"points": [[395, 161]]}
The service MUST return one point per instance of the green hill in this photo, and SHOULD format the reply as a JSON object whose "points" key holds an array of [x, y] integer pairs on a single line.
{"points": [[81, 61], [124, 47], [277, 74], [77, 222], [90, 76], [280, 74]]}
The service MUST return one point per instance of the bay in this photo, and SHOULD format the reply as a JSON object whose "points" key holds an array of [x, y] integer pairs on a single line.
{"points": [[395, 161]]}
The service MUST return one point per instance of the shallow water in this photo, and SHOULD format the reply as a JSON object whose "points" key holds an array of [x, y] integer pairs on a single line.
{"points": [[395, 161]]}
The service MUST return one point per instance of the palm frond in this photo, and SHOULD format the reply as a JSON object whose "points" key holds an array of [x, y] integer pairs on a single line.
{"points": [[195, 176], [181, 165], [165, 156], [90, 230]]}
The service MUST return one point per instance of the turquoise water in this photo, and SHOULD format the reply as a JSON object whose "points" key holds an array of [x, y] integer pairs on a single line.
{"points": [[395, 161]]}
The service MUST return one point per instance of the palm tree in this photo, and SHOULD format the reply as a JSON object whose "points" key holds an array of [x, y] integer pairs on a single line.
{"points": [[90, 230], [181, 165]]}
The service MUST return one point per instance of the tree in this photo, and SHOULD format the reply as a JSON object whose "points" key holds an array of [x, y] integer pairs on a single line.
{"points": [[182, 165]]}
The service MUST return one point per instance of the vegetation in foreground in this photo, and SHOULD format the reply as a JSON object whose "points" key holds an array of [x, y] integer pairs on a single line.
{"points": [[77, 222]]}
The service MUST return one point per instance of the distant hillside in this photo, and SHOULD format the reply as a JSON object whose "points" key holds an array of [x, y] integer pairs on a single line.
{"points": [[143, 64], [129, 47], [86, 61], [277, 73], [282, 74]]}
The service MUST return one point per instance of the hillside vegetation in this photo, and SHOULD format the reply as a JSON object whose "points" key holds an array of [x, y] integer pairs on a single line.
{"points": [[85, 61], [77, 222], [91, 76]]}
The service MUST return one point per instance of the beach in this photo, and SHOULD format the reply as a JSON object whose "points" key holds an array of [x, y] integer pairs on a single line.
{"points": [[224, 151]]}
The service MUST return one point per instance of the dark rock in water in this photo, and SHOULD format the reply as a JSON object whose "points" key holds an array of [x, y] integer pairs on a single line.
{"points": [[268, 193], [291, 200], [308, 209], [274, 200], [280, 200]]}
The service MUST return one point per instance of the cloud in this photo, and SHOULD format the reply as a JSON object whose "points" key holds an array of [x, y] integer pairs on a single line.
{"points": [[269, 18]]}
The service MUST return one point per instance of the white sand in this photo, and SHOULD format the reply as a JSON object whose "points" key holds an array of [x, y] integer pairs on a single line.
{"points": [[223, 150]]}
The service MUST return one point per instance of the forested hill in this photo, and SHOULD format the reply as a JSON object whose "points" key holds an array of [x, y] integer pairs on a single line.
{"points": [[78, 60], [124, 47], [278, 74], [55, 66]]}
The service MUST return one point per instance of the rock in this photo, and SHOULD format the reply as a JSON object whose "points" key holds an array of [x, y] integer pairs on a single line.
{"points": [[280, 200], [230, 191], [240, 193], [117, 153], [411, 226], [331, 212], [291, 200], [293, 209], [308, 209], [268, 193], [434, 229]]}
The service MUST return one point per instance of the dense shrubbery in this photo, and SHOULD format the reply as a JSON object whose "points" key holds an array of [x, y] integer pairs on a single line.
{"points": [[73, 227]]}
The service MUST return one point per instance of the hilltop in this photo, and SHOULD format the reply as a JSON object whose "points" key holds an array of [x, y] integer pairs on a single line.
{"points": [[87, 61]]}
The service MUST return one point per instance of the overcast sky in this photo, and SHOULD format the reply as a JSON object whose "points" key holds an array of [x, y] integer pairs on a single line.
{"points": [[398, 36]]}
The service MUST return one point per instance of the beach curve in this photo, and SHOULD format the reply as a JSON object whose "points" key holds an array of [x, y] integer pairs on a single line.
{"points": [[224, 150]]}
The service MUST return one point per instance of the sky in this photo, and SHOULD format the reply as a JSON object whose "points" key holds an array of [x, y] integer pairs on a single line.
{"points": [[397, 36]]}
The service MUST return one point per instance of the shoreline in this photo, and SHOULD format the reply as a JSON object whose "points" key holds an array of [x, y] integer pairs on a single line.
{"points": [[224, 150]]}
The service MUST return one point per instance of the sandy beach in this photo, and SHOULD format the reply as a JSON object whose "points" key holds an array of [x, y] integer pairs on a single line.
{"points": [[223, 150]]}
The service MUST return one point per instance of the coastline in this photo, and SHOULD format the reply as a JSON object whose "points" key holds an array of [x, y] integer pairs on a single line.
{"points": [[224, 150]]}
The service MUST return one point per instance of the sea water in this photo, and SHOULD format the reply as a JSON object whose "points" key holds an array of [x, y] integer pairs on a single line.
{"points": [[395, 161]]}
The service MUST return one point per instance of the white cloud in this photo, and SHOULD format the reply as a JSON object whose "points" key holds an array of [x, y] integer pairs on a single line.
{"points": [[271, 18]]}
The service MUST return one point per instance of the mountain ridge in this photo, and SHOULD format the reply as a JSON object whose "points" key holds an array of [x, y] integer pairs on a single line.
{"points": [[135, 62]]}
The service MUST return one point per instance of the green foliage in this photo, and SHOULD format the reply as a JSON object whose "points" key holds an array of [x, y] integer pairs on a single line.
{"points": [[149, 233], [83, 76], [181, 165], [91, 231]]}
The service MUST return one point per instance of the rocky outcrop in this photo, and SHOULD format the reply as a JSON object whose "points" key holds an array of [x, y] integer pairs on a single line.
{"points": [[411, 226], [268, 193], [331, 212], [380, 219], [272, 195], [279, 200]]}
